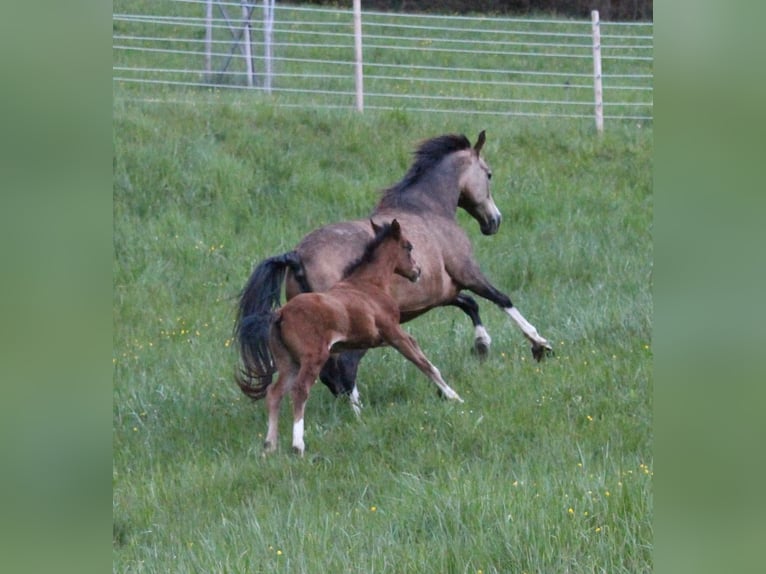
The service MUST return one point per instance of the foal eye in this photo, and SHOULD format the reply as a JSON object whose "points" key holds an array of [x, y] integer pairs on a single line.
{"points": [[489, 175]]}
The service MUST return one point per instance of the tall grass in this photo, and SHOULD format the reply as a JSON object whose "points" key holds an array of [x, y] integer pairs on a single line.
{"points": [[545, 468]]}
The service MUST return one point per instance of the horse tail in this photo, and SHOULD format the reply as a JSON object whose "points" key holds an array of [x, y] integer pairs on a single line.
{"points": [[263, 289], [255, 312], [257, 363]]}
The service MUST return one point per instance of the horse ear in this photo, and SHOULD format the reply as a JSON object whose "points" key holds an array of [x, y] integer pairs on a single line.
{"points": [[396, 230], [375, 228], [480, 142]]}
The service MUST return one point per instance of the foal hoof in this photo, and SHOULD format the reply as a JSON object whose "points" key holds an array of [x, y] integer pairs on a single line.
{"points": [[540, 352], [441, 395]]}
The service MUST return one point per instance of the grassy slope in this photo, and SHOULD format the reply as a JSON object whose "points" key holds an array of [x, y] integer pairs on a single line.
{"points": [[545, 468]]}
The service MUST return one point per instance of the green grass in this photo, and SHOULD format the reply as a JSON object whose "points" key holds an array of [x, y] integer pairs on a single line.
{"points": [[545, 468], [202, 193]]}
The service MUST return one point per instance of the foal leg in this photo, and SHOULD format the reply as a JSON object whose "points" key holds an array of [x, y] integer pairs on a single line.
{"points": [[274, 395], [470, 307], [306, 378], [408, 346]]}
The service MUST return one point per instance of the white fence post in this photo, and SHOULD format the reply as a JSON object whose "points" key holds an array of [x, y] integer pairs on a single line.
{"points": [[246, 41], [268, 30], [358, 55], [597, 87], [209, 41]]}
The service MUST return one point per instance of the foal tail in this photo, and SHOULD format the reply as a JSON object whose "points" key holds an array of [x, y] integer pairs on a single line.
{"points": [[255, 312], [257, 363]]}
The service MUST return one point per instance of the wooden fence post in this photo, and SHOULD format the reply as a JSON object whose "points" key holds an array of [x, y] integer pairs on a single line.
{"points": [[597, 87], [358, 55]]}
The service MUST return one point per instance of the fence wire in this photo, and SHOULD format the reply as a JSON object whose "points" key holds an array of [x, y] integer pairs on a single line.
{"points": [[427, 63]]}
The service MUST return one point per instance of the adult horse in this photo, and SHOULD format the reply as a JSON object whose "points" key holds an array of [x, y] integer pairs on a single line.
{"points": [[447, 173]]}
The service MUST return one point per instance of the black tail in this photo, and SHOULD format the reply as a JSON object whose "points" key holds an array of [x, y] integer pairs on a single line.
{"points": [[257, 302], [258, 365]]}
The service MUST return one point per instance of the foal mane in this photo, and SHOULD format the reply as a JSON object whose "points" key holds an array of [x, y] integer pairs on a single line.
{"points": [[369, 250], [427, 156]]}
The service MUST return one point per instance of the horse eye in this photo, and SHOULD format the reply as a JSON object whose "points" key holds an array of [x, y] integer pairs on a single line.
{"points": [[489, 175]]}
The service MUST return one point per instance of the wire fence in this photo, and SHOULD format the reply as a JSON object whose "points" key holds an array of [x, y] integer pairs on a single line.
{"points": [[305, 57]]}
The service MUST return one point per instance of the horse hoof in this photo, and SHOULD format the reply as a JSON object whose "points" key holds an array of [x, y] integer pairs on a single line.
{"points": [[480, 349], [540, 352], [298, 451]]}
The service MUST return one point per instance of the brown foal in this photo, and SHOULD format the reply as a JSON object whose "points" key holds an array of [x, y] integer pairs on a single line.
{"points": [[359, 312]]}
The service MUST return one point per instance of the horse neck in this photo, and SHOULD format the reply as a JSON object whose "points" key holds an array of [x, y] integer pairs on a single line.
{"points": [[435, 192], [379, 271]]}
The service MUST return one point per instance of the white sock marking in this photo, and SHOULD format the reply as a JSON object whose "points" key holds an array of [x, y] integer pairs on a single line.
{"points": [[356, 404], [481, 334], [526, 327], [298, 436]]}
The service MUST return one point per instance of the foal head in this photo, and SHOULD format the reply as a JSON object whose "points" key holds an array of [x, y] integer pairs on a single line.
{"points": [[391, 245], [405, 263]]}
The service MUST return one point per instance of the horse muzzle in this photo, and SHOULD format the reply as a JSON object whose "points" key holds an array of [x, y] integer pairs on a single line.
{"points": [[491, 225], [415, 275]]}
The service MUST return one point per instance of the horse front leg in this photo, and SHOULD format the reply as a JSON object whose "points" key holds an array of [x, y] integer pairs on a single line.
{"points": [[408, 346], [339, 374], [482, 287], [470, 307]]}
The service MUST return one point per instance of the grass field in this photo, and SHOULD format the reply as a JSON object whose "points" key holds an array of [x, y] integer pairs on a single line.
{"points": [[545, 467]]}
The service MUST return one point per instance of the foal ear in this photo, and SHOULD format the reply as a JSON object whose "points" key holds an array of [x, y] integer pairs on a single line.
{"points": [[480, 142], [396, 230], [375, 228]]}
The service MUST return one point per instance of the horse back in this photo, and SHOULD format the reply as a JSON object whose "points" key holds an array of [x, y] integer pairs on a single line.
{"points": [[440, 246], [325, 253]]}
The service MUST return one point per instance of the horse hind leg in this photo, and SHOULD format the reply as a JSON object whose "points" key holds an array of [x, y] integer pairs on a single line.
{"points": [[274, 395], [306, 378], [288, 370]]}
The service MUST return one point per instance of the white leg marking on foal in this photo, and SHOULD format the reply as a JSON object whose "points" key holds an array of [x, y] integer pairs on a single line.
{"points": [[527, 328], [481, 334], [356, 404], [298, 436], [445, 388]]}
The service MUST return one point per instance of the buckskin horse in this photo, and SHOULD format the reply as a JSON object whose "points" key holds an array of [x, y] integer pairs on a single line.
{"points": [[447, 173], [358, 312]]}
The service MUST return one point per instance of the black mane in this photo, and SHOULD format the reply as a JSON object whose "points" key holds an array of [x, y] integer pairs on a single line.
{"points": [[369, 250], [428, 154]]}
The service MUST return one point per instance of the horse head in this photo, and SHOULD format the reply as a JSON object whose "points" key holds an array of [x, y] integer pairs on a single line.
{"points": [[475, 196]]}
